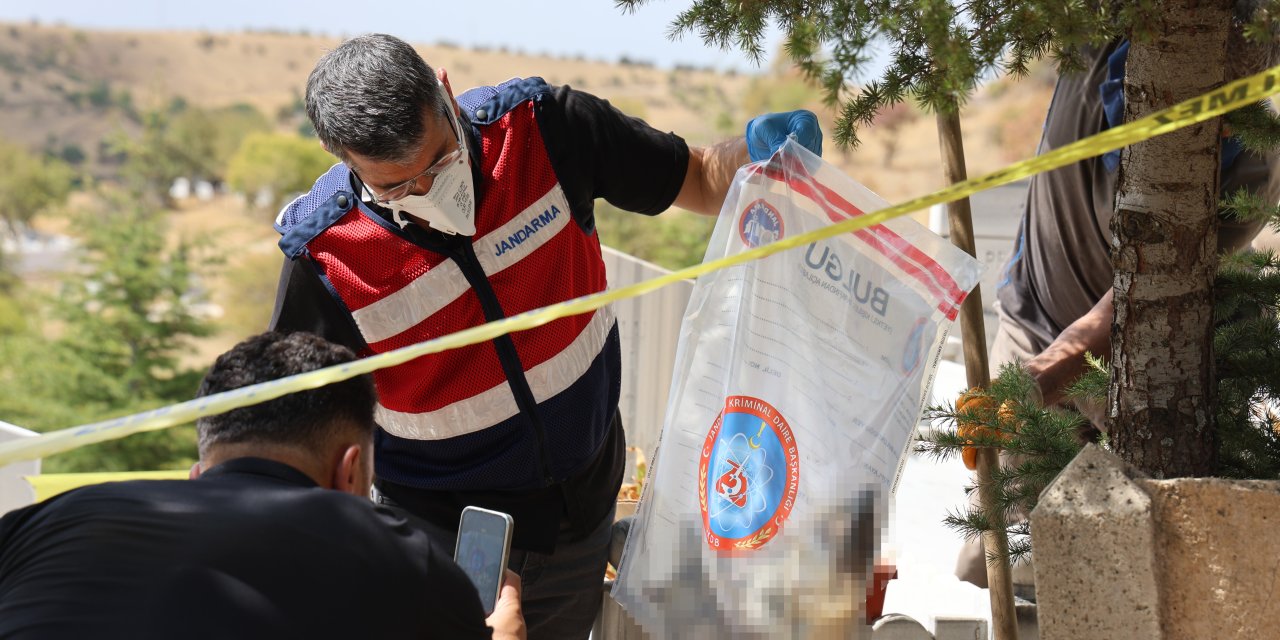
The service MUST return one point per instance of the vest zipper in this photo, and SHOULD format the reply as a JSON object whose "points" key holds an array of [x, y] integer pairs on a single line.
{"points": [[463, 253]]}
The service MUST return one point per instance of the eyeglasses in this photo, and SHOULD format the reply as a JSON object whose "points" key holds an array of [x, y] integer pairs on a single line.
{"points": [[403, 189]]}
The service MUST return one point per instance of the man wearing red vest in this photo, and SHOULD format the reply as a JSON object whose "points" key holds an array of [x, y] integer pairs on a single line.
{"points": [[448, 213]]}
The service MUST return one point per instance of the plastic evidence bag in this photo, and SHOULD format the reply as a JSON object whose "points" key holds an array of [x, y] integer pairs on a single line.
{"points": [[798, 383]]}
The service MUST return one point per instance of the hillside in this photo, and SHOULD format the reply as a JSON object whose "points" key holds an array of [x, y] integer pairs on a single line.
{"points": [[61, 86]]}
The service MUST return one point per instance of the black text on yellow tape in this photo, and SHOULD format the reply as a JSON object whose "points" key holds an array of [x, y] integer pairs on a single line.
{"points": [[1210, 105]]}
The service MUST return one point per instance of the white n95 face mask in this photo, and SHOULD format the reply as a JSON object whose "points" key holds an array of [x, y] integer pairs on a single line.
{"points": [[449, 206]]}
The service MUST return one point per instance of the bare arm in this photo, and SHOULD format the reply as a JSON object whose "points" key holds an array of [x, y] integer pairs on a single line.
{"points": [[1062, 362], [710, 172], [711, 169]]}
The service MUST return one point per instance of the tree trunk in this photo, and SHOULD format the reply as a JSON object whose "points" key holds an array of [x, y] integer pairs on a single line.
{"points": [[1163, 389], [1004, 619]]}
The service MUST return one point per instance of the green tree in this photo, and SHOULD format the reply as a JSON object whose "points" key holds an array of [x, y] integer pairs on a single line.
{"points": [[30, 184], [186, 142], [12, 319], [1007, 416], [674, 240], [131, 310], [110, 343], [99, 95], [230, 126], [50, 386], [281, 165], [162, 154], [939, 48]]}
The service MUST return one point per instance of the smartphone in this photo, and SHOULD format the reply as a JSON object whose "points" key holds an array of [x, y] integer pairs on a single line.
{"points": [[484, 543]]}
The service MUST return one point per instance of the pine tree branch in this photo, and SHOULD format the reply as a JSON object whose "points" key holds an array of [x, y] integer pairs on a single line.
{"points": [[1256, 126]]}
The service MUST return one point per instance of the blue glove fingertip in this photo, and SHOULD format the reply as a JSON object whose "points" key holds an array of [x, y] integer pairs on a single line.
{"points": [[758, 138], [768, 132], [804, 124]]}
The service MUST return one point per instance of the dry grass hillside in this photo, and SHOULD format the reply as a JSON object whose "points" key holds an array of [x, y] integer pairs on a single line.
{"points": [[61, 86], [71, 83]]}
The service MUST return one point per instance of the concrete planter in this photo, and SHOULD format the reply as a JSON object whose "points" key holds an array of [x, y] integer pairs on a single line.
{"points": [[1122, 556]]}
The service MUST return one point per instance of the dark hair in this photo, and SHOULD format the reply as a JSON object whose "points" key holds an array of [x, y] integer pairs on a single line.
{"points": [[305, 418], [369, 96]]}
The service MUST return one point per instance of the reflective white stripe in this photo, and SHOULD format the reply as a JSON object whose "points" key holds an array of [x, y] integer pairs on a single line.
{"points": [[496, 404], [436, 288], [525, 232], [405, 308]]}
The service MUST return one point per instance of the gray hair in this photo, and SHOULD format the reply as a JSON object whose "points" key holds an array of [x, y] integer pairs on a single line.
{"points": [[368, 96]]}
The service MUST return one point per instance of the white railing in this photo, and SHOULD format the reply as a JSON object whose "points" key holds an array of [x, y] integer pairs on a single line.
{"points": [[650, 328]]}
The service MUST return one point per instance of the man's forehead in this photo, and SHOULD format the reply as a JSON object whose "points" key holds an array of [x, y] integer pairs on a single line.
{"points": [[436, 137]]}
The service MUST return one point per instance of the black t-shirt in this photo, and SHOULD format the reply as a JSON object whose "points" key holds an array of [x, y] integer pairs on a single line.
{"points": [[252, 549], [597, 152]]}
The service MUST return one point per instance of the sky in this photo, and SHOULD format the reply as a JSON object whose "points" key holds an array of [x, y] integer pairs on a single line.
{"points": [[595, 29]]}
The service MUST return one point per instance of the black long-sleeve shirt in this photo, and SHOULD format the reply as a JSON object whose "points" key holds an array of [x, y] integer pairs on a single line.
{"points": [[251, 549], [597, 152]]}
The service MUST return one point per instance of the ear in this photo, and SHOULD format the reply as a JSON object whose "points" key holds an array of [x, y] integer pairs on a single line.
{"points": [[350, 475], [195, 471], [443, 75]]}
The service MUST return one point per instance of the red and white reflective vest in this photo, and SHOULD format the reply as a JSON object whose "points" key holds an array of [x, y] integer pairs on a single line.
{"points": [[523, 410]]}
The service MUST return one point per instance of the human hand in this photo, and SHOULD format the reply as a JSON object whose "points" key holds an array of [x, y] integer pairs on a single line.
{"points": [[974, 411], [507, 619], [767, 133]]}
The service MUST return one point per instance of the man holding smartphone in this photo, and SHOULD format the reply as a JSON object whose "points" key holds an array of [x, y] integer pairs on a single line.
{"points": [[275, 536], [484, 546]]}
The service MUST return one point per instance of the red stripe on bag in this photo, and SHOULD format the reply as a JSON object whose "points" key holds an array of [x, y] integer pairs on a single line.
{"points": [[905, 255]]}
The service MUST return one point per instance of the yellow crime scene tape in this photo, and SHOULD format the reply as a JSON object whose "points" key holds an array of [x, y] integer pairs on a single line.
{"points": [[48, 485], [1210, 105]]}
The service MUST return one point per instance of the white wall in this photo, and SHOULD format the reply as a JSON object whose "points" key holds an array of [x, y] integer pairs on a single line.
{"points": [[996, 214], [14, 490], [650, 329]]}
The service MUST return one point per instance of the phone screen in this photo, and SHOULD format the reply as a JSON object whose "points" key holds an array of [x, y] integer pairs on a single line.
{"points": [[481, 552]]}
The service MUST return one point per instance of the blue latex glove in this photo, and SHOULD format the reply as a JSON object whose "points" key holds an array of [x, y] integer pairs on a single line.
{"points": [[766, 133]]}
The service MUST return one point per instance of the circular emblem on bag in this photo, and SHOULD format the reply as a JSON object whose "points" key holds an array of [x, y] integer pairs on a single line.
{"points": [[759, 224], [748, 475], [911, 355]]}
